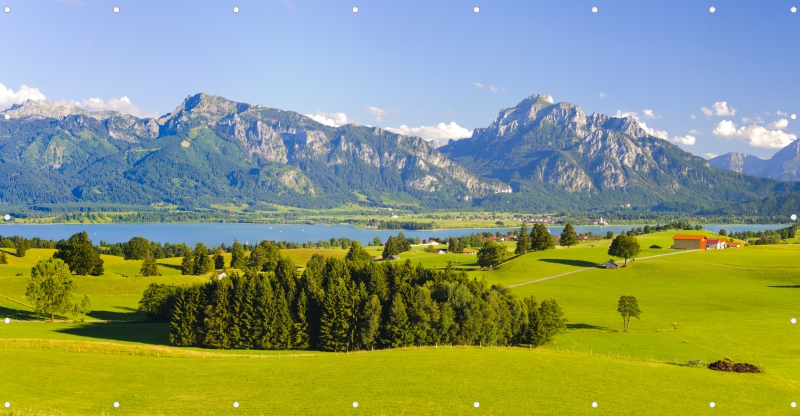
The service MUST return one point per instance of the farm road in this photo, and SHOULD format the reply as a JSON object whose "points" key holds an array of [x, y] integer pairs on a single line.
{"points": [[590, 268]]}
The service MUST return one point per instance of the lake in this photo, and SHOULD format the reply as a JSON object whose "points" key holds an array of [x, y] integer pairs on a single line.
{"points": [[213, 234]]}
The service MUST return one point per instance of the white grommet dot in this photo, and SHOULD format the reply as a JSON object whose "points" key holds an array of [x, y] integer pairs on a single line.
{"points": [[235, 9], [355, 404], [594, 9], [8, 320], [116, 9], [7, 9], [476, 404], [7, 217], [7, 116], [794, 404], [712, 404], [794, 116], [794, 320], [355, 9], [8, 404], [594, 404], [236, 404], [712, 9], [476, 9], [793, 217], [116, 404], [793, 9]]}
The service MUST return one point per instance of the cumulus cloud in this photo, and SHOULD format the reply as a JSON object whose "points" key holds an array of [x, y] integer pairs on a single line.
{"points": [[603, 95], [648, 113], [377, 112], [122, 105], [440, 131], [710, 155], [8, 97], [719, 109], [687, 140], [778, 124], [756, 136], [330, 119], [477, 84]]}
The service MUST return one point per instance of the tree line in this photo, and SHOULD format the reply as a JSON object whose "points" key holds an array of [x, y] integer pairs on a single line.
{"points": [[350, 304]]}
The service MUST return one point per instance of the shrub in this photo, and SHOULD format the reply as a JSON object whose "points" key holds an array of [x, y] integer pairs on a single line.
{"points": [[655, 246], [727, 365]]}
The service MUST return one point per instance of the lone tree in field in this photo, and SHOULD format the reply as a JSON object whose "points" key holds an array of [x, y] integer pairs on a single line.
{"points": [[202, 261], [541, 239], [149, 267], [491, 254], [392, 247], [84, 307], [50, 287], [568, 236], [625, 247], [523, 240], [80, 255], [3, 258], [22, 245], [357, 253], [628, 307]]}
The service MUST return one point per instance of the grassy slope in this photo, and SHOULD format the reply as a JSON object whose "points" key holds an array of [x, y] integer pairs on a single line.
{"points": [[725, 302]]}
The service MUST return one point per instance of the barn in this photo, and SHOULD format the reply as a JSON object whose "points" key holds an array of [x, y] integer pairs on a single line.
{"points": [[689, 242], [611, 264]]}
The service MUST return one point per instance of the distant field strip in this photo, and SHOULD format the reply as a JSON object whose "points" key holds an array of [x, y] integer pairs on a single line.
{"points": [[16, 301], [590, 268]]}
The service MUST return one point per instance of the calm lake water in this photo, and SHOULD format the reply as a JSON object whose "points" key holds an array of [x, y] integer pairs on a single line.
{"points": [[216, 233]]}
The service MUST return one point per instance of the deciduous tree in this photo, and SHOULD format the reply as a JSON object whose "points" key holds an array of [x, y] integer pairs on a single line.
{"points": [[50, 287], [628, 307]]}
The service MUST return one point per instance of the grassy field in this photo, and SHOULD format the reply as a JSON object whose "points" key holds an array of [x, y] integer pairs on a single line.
{"points": [[734, 303]]}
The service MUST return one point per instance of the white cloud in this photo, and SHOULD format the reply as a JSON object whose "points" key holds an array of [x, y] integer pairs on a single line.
{"points": [[778, 124], [440, 131], [494, 89], [710, 155], [756, 136], [756, 120], [687, 140], [692, 116], [330, 119], [8, 97], [377, 112], [719, 109], [648, 113], [603, 95], [122, 105], [780, 113], [477, 84], [694, 131]]}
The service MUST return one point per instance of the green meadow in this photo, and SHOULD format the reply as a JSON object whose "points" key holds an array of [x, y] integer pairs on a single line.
{"points": [[699, 305]]}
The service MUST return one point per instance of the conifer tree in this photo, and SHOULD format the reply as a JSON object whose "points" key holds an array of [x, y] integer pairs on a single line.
{"points": [[3, 258], [334, 323], [284, 326], [300, 337], [568, 236], [286, 275], [357, 253], [397, 328], [237, 300], [248, 319], [149, 267], [217, 319], [257, 259], [183, 327], [523, 240], [187, 264], [369, 323], [202, 261], [219, 261], [238, 260]]}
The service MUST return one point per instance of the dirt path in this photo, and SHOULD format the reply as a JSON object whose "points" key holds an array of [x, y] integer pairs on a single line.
{"points": [[590, 268]]}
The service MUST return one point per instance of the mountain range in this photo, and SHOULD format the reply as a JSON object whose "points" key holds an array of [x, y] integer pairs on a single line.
{"points": [[538, 155], [783, 165]]}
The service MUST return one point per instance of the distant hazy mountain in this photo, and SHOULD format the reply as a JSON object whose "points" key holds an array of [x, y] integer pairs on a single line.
{"points": [[210, 149], [784, 165]]}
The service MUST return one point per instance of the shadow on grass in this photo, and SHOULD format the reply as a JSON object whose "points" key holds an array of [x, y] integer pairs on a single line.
{"points": [[19, 314], [131, 314], [171, 266], [586, 326], [787, 287], [578, 263], [143, 332]]}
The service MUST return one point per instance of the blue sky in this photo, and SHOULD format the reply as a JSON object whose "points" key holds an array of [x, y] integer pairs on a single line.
{"points": [[420, 63]]}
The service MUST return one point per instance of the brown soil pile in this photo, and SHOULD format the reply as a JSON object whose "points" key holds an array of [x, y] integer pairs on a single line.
{"points": [[724, 365]]}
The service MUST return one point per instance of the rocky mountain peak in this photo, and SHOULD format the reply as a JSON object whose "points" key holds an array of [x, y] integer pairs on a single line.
{"points": [[43, 109]]}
